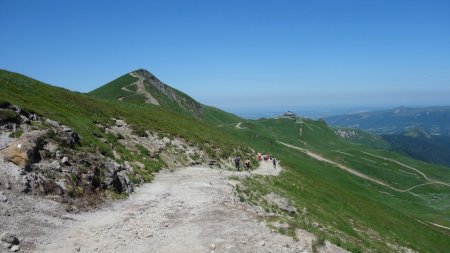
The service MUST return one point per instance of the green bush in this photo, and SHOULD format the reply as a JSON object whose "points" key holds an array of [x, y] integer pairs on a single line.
{"points": [[4, 103], [8, 116]]}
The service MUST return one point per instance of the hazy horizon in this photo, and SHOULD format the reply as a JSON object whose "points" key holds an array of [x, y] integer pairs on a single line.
{"points": [[238, 55]]}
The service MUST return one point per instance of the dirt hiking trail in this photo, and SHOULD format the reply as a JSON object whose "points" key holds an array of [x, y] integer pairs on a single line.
{"points": [[266, 168], [190, 209]]}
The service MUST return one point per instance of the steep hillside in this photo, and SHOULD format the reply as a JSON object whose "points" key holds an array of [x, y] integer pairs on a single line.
{"points": [[141, 87], [360, 198], [142, 138], [434, 120]]}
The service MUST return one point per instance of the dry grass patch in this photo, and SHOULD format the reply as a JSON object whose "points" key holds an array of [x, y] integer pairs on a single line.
{"points": [[17, 156]]}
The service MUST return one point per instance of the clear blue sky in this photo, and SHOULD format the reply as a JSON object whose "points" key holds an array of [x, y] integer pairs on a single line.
{"points": [[240, 54]]}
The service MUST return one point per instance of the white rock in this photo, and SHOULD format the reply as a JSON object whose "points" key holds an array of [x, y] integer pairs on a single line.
{"points": [[120, 123], [52, 123], [15, 248], [212, 246], [65, 160]]}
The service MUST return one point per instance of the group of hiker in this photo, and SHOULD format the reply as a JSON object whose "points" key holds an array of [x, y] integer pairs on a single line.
{"points": [[237, 163], [259, 157]]}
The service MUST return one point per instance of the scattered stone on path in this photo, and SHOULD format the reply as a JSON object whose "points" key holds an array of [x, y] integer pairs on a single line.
{"points": [[9, 238], [3, 198], [10, 241], [15, 248], [212, 246]]}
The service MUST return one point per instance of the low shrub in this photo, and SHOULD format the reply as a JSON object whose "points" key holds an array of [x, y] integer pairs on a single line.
{"points": [[8, 116]]}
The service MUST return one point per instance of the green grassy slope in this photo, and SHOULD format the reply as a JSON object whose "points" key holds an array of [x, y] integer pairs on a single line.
{"points": [[350, 211], [355, 213], [82, 112], [114, 90], [218, 117]]}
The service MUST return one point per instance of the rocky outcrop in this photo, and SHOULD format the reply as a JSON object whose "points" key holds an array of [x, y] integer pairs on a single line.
{"points": [[66, 134], [347, 133], [117, 178], [25, 150], [44, 157], [174, 151], [122, 183]]}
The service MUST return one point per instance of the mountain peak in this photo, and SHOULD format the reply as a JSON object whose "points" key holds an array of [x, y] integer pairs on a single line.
{"points": [[144, 73], [141, 86]]}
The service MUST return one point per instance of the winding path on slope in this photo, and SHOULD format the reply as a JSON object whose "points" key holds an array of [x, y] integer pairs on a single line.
{"points": [[431, 181], [364, 176], [140, 89], [341, 166], [188, 210]]}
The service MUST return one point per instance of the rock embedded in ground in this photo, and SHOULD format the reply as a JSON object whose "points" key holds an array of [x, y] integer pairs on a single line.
{"points": [[54, 166], [9, 239], [25, 150], [282, 203], [120, 123], [122, 183], [65, 160], [14, 248], [51, 123], [3, 198]]}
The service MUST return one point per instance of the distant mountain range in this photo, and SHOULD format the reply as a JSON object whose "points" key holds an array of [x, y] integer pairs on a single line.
{"points": [[433, 120], [420, 145], [421, 133]]}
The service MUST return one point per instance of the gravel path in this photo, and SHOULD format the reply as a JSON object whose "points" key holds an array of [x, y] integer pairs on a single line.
{"points": [[266, 168], [188, 210]]}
